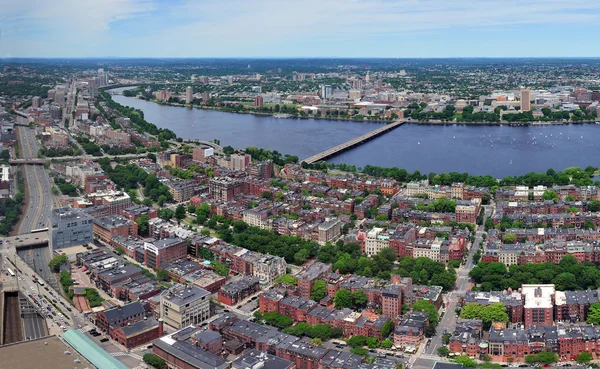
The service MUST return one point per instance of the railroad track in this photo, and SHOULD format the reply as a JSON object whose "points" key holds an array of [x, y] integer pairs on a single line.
{"points": [[13, 329]]}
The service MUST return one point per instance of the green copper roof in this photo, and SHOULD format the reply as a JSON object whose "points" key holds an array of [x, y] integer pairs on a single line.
{"points": [[91, 351]]}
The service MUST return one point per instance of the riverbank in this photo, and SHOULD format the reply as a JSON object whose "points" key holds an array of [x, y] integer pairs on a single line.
{"points": [[267, 114], [350, 119], [509, 124]]}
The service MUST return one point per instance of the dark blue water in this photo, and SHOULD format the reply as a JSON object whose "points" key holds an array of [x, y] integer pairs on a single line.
{"points": [[495, 150]]}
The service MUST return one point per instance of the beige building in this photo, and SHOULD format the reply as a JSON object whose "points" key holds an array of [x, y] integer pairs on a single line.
{"points": [[181, 306], [188, 94], [329, 230], [268, 268], [376, 241], [430, 250], [525, 99]]}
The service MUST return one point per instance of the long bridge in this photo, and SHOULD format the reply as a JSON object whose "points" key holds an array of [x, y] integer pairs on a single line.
{"points": [[352, 143]]}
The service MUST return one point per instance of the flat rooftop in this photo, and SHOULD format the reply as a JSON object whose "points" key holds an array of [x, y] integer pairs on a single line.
{"points": [[49, 352]]}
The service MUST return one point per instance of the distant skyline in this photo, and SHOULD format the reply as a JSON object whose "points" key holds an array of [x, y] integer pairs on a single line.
{"points": [[308, 28]]}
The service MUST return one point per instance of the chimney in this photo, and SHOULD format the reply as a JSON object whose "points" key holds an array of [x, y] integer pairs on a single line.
{"points": [[160, 327]]}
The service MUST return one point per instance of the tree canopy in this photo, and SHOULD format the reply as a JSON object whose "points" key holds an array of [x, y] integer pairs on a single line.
{"points": [[569, 274]]}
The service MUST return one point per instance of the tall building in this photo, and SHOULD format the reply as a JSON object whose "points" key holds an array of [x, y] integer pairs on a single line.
{"points": [[71, 227], [258, 101], [59, 97], [164, 251], [181, 305], [539, 304], [102, 77], [188, 95], [525, 99], [326, 91], [240, 161], [35, 102]]}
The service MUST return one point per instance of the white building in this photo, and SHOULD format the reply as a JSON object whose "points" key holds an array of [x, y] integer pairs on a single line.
{"points": [[376, 241], [183, 305]]}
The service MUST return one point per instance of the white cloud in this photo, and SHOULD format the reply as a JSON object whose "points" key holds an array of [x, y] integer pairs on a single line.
{"points": [[260, 27], [217, 27]]}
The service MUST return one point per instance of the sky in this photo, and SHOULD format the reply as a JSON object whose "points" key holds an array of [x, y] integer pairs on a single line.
{"points": [[307, 28]]}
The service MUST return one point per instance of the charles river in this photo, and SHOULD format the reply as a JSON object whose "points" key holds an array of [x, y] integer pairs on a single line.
{"points": [[486, 149]]}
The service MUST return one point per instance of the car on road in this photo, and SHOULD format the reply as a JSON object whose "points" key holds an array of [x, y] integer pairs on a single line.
{"points": [[104, 340]]}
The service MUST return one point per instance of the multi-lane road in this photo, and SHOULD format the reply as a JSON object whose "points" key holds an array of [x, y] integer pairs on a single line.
{"points": [[41, 201]]}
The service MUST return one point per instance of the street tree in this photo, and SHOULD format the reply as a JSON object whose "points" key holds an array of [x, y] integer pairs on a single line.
{"points": [[319, 290]]}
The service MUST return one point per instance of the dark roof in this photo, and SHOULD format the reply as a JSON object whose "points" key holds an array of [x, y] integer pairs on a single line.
{"points": [[251, 358], [124, 312], [207, 336], [191, 354], [441, 365], [139, 327]]}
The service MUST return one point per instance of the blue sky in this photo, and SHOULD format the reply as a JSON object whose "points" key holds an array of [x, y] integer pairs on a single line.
{"points": [[307, 28]]}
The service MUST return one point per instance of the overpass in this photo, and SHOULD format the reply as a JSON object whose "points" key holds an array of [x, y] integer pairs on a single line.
{"points": [[218, 148], [352, 143]]}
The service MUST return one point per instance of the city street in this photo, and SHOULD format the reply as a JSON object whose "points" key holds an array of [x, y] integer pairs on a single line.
{"points": [[426, 357]]}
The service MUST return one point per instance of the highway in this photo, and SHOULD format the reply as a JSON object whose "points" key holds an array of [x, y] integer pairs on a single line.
{"points": [[33, 323], [71, 158], [41, 201]]}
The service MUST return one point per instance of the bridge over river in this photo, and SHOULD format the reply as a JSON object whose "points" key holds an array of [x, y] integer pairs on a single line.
{"points": [[352, 143]]}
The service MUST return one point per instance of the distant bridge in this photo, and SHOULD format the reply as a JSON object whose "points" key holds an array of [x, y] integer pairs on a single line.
{"points": [[352, 143]]}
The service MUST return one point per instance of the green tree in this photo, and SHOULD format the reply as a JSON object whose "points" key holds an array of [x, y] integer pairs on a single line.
{"points": [[494, 313], [593, 316], [428, 308], [443, 351], [142, 223], [287, 279], [163, 275], [357, 341], [386, 343], [547, 357], [446, 338], [267, 195], [359, 351], [57, 261], [228, 150], [316, 341], [319, 290], [584, 357], [154, 361], [387, 328], [343, 299], [322, 331], [165, 214], [119, 250], [593, 205], [180, 212], [466, 361], [550, 195], [359, 299], [372, 342], [509, 238]]}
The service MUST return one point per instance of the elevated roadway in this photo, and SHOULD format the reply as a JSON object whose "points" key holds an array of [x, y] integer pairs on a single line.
{"points": [[352, 143], [40, 200], [41, 161]]}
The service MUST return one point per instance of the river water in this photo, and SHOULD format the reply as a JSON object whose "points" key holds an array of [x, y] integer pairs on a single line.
{"points": [[483, 149]]}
